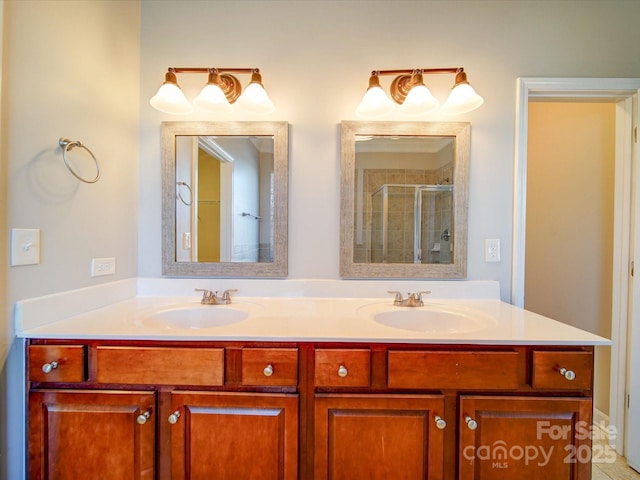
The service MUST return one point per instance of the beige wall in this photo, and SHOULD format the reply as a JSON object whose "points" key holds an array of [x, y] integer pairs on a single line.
{"points": [[69, 68], [569, 239], [4, 312]]}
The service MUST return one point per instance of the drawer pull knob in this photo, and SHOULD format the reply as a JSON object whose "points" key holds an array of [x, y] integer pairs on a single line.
{"points": [[268, 370], [173, 418], [471, 423], [143, 417], [342, 371], [47, 367], [440, 423], [568, 374]]}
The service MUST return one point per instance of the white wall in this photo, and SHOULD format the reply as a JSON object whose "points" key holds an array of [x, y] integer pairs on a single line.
{"points": [[70, 68], [316, 56]]}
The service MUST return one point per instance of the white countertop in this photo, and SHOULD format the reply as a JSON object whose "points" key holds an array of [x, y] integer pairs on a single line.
{"points": [[486, 321]]}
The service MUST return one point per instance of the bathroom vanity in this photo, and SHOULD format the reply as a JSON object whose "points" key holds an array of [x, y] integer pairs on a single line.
{"points": [[309, 388]]}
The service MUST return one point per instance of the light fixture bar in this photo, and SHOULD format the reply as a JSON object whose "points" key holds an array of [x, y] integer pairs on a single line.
{"points": [[210, 69], [418, 70]]}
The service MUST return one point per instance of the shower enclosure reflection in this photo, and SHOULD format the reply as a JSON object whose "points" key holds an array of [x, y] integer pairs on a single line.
{"points": [[404, 199], [411, 224]]}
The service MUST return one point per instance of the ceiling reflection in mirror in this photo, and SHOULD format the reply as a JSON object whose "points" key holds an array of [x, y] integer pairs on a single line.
{"points": [[404, 199], [228, 198]]}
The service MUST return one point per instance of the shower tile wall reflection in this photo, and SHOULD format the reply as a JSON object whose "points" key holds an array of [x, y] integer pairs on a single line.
{"points": [[389, 210]]}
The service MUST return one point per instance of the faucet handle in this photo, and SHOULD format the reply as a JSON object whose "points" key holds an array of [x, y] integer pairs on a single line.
{"points": [[397, 294], [206, 294], [398, 299], [426, 292], [226, 297]]}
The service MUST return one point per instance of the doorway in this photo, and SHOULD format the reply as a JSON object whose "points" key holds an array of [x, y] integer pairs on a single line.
{"points": [[569, 222], [623, 94]]}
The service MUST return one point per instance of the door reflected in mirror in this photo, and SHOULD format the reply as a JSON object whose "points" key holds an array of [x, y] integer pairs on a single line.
{"points": [[225, 198], [224, 211], [404, 199]]}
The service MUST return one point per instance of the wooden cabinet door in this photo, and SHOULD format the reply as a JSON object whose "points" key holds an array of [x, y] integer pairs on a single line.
{"points": [[234, 436], [369, 437], [91, 434], [525, 438]]}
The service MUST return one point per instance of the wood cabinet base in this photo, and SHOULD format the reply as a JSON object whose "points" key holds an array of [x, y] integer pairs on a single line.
{"points": [[158, 410]]}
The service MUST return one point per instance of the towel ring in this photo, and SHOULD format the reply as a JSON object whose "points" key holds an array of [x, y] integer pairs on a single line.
{"points": [[68, 145], [179, 195]]}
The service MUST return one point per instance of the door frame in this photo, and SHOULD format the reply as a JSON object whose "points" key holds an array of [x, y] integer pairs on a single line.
{"points": [[622, 91]]}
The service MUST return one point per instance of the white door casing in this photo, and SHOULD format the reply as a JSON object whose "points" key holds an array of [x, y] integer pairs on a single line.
{"points": [[624, 93]]}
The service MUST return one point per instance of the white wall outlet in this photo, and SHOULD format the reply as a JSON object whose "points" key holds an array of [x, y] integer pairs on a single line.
{"points": [[103, 266], [492, 250], [25, 246], [186, 240]]}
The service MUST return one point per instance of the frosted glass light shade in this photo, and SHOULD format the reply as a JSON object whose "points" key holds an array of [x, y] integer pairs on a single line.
{"points": [[170, 99], [255, 99], [375, 103], [419, 100], [212, 99], [462, 99]]}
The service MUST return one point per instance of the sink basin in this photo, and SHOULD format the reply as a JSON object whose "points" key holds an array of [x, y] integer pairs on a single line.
{"points": [[196, 317], [435, 319]]}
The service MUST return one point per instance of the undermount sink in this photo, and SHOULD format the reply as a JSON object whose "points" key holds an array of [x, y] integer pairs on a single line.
{"points": [[196, 317], [435, 319]]}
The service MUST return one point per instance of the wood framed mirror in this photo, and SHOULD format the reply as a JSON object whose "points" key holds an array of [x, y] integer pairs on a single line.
{"points": [[404, 199], [224, 199]]}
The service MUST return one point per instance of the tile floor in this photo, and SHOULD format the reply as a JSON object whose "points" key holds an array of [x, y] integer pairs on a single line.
{"points": [[606, 469]]}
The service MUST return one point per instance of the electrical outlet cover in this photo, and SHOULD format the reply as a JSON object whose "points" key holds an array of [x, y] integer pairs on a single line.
{"points": [[492, 250]]}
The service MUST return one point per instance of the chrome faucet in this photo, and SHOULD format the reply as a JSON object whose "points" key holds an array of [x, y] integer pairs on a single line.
{"points": [[412, 300], [212, 298]]}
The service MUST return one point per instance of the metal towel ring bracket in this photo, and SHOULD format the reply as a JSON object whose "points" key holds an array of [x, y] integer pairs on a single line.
{"points": [[68, 145]]}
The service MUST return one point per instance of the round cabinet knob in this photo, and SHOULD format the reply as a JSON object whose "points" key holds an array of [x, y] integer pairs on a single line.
{"points": [[268, 370], [440, 423], [568, 374], [173, 418], [47, 367], [471, 423], [143, 417], [342, 371]]}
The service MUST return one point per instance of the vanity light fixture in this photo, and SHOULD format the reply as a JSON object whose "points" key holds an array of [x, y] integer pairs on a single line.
{"points": [[409, 91], [222, 90]]}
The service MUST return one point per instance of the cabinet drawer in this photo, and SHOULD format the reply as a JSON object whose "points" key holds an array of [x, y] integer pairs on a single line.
{"points": [[160, 366], [57, 363], [454, 370], [342, 368], [562, 370], [270, 366]]}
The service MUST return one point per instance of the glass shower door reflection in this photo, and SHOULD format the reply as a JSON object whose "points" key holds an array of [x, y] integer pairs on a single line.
{"points": [[411, 224]]}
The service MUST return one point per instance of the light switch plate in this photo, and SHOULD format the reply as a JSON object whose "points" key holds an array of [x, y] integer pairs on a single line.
{"points": [[25, 246]]}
